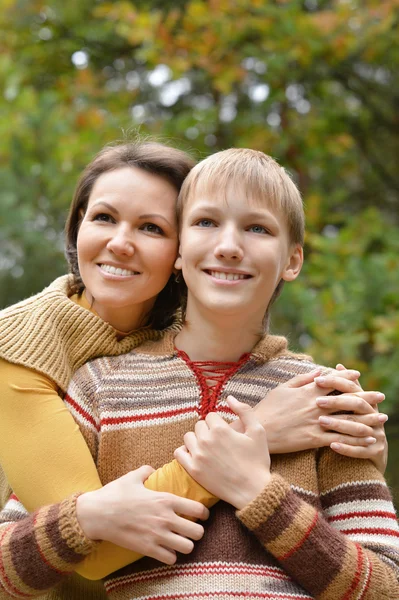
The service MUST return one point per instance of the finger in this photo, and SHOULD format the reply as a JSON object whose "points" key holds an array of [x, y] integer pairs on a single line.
{"points": [[338, 382], [177, 543], [342, 371], [190, 442], [348, 402], [303, 379], [347, 426], [214, 420], [201, 429], [373, 420], [245, 414], [143, 473], [352, 451], [183, 457], [164, 555], [189, 508], [187, 528]]}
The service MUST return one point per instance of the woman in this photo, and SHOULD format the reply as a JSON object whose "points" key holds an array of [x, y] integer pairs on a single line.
{"points": [[124, 300]]}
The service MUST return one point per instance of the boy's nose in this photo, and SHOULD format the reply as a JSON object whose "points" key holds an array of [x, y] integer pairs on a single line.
{"points": [[229, 246]]}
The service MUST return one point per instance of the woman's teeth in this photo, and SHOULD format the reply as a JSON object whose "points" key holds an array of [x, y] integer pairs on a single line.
{"points": [[228, 276], [117, 271]]}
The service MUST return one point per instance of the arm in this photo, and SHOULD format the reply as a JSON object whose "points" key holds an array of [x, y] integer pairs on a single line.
{"points": [[37, 551], [48, 429], [353, 543]]}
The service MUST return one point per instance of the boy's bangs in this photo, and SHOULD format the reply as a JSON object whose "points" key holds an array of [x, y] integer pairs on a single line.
{"points": [[258, 189]]}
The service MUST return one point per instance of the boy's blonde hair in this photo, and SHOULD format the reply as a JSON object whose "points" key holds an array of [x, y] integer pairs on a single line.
{"points": [[259, 175]]}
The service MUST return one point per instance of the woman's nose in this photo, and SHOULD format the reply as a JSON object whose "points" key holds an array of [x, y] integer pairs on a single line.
{"points": [[121, 243]]}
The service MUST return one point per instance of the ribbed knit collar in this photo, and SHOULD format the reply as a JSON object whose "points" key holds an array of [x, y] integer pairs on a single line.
{"points": [[55, 336], [268, 347]]}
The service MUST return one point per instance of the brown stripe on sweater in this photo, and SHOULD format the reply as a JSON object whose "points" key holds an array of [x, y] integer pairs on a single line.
{"points": [[329, 564], [355, 492], [59, 544], [280, 520], [27, 558]]}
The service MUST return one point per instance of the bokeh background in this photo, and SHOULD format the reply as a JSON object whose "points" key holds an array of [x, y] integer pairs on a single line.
{"points": [[312, 82]]}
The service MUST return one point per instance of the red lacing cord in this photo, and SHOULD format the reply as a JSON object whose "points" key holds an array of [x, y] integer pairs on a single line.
{"points": [[217, 372]]}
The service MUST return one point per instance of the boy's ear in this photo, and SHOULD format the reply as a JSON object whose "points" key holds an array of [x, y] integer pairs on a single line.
{"points": [[294, 264]]}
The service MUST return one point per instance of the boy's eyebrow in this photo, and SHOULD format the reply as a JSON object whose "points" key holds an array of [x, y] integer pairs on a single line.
{"points": [[253, 214]]}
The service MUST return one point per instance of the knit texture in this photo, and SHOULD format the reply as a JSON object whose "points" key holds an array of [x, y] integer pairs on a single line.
{"points": [[55, 336], [37, 548], [323, 528]]}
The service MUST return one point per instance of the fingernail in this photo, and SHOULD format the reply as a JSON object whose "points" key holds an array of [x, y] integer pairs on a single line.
{"points": [[335, 446], [381, 396], [370, 440], [325, 420], [322, 401], [383, 418], [320, 379]]}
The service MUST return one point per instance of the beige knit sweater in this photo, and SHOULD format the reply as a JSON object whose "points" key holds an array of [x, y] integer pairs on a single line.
{"points": [[55, 336]]}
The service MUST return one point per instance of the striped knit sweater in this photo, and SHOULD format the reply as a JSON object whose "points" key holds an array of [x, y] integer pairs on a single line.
{"points": [[324, 527]]}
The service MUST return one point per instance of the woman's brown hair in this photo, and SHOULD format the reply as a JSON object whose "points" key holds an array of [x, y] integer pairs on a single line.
{"points": [[152, 157]]}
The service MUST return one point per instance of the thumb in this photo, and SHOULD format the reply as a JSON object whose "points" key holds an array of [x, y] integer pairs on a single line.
{"points": [[244, 412], [303, 379], [143, 473]]}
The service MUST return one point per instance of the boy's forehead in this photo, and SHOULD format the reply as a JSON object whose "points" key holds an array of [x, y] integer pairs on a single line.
{"points": [[251, 197]]}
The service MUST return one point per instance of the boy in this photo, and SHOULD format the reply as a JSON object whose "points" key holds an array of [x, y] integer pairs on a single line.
{"points": [[241, 238]]}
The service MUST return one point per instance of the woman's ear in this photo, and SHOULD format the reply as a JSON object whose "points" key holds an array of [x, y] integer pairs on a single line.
{"points": [[294, 264], [178, 262]]}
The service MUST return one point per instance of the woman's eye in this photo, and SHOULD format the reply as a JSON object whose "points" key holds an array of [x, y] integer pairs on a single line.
{"points": [[152, 228], [205, 223], [104, 218], [258, 229]]}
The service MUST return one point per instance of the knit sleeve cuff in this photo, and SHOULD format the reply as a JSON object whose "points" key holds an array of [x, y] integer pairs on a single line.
{"points": [[70, 529], [265, 504]]}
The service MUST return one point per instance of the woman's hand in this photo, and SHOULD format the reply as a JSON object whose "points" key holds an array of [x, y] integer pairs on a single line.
{"points": [[231, 465], [300, 425], [125, 513]]}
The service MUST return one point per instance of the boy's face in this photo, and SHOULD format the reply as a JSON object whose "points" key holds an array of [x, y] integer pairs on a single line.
{"points": [[233, 253]]}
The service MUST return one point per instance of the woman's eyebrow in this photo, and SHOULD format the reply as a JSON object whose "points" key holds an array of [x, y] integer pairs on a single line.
{"points": [[109, 206], [155, 216]]}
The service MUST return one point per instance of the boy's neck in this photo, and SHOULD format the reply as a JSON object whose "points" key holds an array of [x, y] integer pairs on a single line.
{"points": [[205, 338]]}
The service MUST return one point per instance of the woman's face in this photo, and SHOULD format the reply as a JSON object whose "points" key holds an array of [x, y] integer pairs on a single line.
{"points": [[127, 244]]}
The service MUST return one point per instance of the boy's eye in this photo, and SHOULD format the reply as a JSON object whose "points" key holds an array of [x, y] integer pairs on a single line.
{"points": [[152, 228], [104, 217], [258, 229], [205, 223]]}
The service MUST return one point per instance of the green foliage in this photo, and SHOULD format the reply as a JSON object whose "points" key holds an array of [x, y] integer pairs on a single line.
{"points": [[312, 82]]}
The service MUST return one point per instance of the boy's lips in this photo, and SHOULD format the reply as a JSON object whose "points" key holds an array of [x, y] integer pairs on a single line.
{"points": [[228, 274]]}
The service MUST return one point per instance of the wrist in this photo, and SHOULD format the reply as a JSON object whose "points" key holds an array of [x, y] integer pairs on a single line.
{"points": [[86, 515], [248, 492]]}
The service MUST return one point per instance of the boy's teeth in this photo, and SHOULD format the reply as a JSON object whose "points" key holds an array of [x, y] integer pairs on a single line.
{"points": [[228, 276], [116, 271]]}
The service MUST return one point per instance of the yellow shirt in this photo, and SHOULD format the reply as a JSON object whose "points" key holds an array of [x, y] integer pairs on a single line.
{"points": [[45, 457]]}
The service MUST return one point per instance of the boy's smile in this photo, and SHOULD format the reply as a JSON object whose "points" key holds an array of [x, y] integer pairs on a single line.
{"points": [[234, 251]]}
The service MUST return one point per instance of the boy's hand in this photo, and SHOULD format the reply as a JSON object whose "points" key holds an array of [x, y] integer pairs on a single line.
{"points": [[231, 465]]}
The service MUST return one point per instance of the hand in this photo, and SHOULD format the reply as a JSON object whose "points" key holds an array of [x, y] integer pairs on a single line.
{"points": [[378, 451], [231, 465], [125, 513], [303, 430]]}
